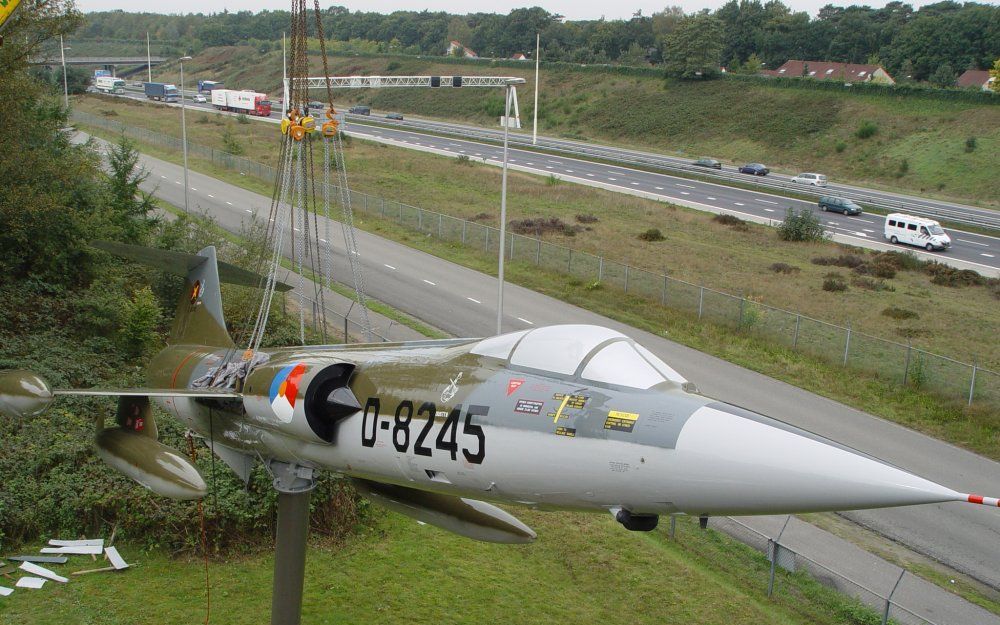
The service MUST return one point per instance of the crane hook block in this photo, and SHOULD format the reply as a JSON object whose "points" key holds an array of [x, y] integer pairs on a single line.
{"points": [[297, 132], [330, 128], [309, 123], [285, 124]]}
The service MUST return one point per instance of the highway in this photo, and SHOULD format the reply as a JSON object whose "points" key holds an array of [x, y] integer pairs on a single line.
{"points": [[969, 250], [462, 302]]}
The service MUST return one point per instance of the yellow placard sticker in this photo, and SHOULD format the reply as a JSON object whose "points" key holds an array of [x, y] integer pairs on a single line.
{"points": [[7, 8], [564, 431], [620, 421], [572, 401]]}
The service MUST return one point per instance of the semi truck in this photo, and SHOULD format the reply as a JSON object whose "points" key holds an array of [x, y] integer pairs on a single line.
{"points": [[162, 92], [109, 84], [208, 86], [101, 72], [249, 102]]}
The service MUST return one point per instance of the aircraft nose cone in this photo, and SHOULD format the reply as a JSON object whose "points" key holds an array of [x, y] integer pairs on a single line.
{"points": [[738, 462]]}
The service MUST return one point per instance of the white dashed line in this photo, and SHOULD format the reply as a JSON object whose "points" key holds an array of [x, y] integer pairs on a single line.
{"points": [[390, 267], [769, 210], [324, 240], [739, 203], [177, 181], [864, 221], [229, 203], [765, 201], [867, 230], [569, 171], [548, 167], [972, 242], [711, 198], [430, 283], [686, 186], [637, 184], [296, 229], [986, 255], [685, 193], [530, 163], [659, 188], [248, 210], [211, 196], [525, 320], [590, 175], [612, 179], [193, 189], [162, 176], [473, 300]]}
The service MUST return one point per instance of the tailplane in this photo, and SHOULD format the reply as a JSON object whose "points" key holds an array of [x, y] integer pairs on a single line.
{"points": [[199, 319]]}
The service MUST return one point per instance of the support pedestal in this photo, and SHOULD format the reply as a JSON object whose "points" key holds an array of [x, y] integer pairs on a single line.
{"points": [[294, 485]]}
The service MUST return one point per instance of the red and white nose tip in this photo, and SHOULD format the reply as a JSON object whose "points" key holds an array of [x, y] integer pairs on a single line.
{"points": [[983, 501]]}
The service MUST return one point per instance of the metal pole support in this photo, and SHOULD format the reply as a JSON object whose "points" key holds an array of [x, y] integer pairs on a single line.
{"points": [[294, 485], [888, 600], [773, 551], [972, 384]]}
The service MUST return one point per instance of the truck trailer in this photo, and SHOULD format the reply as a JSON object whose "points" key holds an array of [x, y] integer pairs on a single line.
{"points": [[161, 92], [109, 84], [249, 102], [208, 86]]}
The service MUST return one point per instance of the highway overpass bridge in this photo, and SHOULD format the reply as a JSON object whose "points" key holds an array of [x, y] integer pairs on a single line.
{"points": [[110, 63]]}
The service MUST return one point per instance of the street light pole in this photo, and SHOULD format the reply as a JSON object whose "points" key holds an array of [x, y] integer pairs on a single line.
{"points": [[62, 52], [534, 124], [503, 211], [149, 60], [184, 140]]}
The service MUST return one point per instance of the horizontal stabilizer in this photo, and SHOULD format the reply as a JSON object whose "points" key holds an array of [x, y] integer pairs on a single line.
{"points": [[181, 263], [205, 393], [466, 517]]}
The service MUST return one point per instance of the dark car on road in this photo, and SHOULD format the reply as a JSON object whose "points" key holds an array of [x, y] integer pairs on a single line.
{"points": [[755, 168], [316, 105], [838, 205], [708, 162], [396, 116], [360, 110]]}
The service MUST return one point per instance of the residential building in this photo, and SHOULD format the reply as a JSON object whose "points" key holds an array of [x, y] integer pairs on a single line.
{"points": [[827, 70], [975, 78]]}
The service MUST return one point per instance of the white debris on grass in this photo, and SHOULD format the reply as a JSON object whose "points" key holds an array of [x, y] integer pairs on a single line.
{"points": [[41, 571], [30, 582]]}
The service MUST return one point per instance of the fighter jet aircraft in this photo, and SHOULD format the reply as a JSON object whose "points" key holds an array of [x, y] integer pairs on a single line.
{"points": [[570, 417]]}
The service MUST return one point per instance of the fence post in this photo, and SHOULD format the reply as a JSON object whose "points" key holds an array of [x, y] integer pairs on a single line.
{"points": [[538, 252], [795, 339], [569, 264], [906, 367], [511, 255], [626, 278], [440, 217], [420, 219], [600, 268], [663, 296], [366, 202], [382, 211], [888, 600], [972, 384], [773, 549], [701, 301], [847, 343], [673, 526], [743, 302], [464, 226]]}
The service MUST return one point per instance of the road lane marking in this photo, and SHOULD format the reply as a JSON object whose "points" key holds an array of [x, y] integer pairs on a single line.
{"points": [[867, 230], [637, 184], [177, 181], [612, 179], [390, 267], [739, 203], [569, 171], [193, 189], [765, 201], [972, 242], [769, 210], [864, 221], [211, 196], [430, 283], [324, 240], [525, 320], [986, 255], [162, 176], [711, 198], [548, 167], [248, 210], [685, 193], [591, 175], [686, 186], [659, 188], [473, 300], [229, 203]]}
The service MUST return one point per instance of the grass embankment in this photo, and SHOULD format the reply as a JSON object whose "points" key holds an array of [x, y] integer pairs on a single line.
{"points": [[920, 144], [698, 249], [582, 569]]}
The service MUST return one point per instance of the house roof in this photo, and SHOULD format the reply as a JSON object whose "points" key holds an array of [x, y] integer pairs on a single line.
{"points": [[824, 70], [973, 78]]}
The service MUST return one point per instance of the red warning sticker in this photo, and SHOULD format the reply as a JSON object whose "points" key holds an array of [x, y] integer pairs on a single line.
{"points": [[513, 385]]}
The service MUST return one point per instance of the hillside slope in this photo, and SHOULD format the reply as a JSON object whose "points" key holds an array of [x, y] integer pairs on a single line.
{"points": [[921, 145]]}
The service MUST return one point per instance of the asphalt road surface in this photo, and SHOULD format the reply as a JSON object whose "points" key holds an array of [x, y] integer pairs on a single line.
{"points": [[969, 250], [462, 302]]}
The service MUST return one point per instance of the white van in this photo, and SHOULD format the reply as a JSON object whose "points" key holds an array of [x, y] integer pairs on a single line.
{"points": [[816, 180], [919, 231]]}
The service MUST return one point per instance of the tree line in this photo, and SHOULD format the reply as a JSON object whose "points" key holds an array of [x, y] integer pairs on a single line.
{"points": [[740, 35]]}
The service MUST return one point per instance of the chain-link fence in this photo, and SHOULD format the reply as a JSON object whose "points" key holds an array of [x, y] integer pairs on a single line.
{"points": [[899, 363]]}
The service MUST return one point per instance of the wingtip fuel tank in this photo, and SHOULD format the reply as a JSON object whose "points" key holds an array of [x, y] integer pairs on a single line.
{"points": [[23, 393]]}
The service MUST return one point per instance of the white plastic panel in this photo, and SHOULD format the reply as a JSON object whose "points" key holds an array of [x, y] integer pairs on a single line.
{"points": [[620, 364], [498, 346], [667, 371], [560, 349]]}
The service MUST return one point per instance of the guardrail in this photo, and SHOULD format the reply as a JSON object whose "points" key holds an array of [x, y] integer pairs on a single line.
{"points": [[675, 165]]}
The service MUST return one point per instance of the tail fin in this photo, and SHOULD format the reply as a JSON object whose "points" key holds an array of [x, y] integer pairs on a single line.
{"points": [[199, 319]]}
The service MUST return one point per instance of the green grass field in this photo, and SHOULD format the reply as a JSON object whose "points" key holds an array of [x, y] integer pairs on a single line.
{"points": [[582, 569], [920, 146]]}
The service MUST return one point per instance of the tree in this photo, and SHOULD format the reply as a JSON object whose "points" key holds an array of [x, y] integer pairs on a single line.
{"points": [[943, 76], [995, 73], [694, 49], [130, 205], [753, 65]]}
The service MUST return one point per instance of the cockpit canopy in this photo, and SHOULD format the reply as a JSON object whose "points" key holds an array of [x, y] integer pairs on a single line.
{"points": [[591, 353]]}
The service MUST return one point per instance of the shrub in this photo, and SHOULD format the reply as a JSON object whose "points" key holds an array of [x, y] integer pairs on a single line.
{"points": [[844, 260], [242, 119], [840, 147], [109, 112], [970, 144], [834, 284], [900, 313], [653, 234], [904, 167], [946, 275], [901, 261], [544, 225], [872, 285], [731, 220], [595, 286], [866, 130], [552, 180], [231, 142], [877, 269], [784, 268], [392, 66], [802, 225], [587, 219], [463, 159]]}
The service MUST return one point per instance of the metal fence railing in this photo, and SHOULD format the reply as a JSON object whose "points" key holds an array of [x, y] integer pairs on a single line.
{"points": [[902, 364]]}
